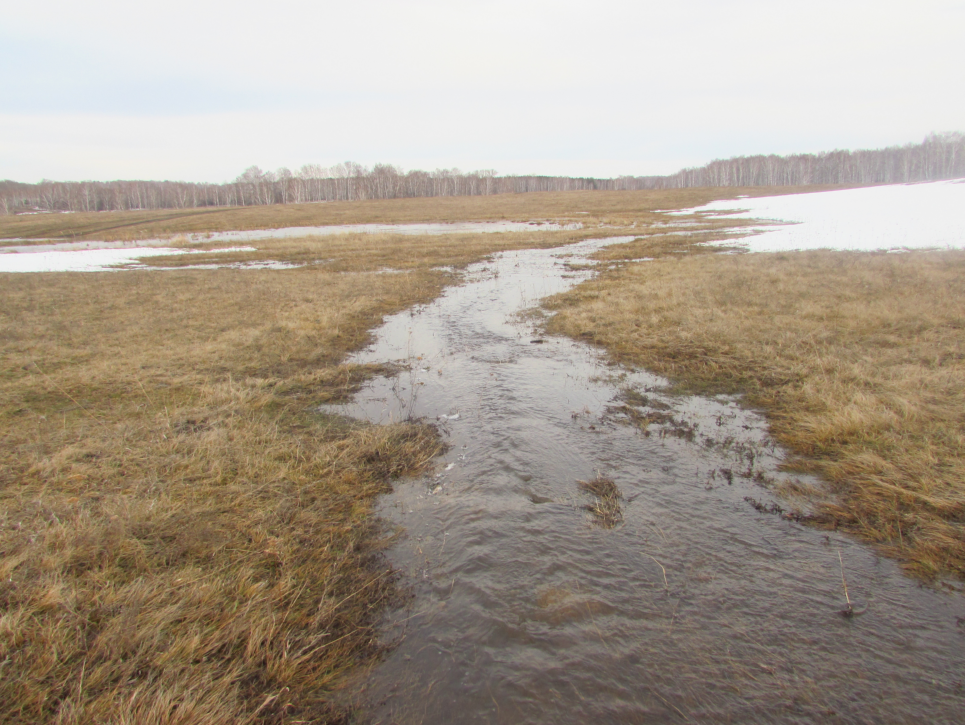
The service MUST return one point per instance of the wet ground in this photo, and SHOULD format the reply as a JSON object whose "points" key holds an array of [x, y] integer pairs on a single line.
{"points": [[417, 229], [694, 604], [431, 228], [52, 255]]}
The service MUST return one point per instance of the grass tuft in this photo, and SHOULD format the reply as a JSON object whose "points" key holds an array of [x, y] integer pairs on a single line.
{"points": [[607, 510]]}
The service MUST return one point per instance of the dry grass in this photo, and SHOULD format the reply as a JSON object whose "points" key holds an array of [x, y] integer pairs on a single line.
{"points": [[354, 253], [619, 208], [183, 539], [857, 358], [606, 509]]}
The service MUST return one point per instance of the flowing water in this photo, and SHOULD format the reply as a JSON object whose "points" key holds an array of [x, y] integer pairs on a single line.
{"points": [[696, 607]]}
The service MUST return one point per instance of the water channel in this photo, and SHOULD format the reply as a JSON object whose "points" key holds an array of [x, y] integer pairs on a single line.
{"points": [[696, 607]]}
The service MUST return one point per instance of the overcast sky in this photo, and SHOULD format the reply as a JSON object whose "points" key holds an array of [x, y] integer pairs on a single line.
{"points": [[199, 90]]}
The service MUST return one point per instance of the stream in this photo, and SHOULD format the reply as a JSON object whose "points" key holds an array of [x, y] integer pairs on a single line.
{"points": [[696, 606]]}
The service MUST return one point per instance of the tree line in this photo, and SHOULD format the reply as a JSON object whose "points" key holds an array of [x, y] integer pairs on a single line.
{"points": [[939, 156]]}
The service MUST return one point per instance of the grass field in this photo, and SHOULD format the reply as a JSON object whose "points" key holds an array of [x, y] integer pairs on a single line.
{"points": [[619, 208], [184, 539], [857, 359]]}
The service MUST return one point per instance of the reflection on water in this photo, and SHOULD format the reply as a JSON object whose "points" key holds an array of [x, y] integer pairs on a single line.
{"points": [[431, 228], [695, 607], [95, 256]]}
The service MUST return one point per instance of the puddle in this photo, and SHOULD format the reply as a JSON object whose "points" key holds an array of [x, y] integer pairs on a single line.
{"points": [[698, 601], [496, 227], [100, 256]]}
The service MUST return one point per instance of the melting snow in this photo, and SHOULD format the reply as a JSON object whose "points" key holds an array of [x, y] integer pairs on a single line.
{"points": [[92, 260], [901, 216]]}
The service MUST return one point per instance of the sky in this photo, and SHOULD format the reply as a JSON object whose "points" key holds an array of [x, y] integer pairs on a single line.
{"points": [[199, 90]]}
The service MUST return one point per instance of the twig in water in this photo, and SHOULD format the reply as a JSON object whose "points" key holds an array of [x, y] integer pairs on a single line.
{"points": [[849, 610], [666, 586]]}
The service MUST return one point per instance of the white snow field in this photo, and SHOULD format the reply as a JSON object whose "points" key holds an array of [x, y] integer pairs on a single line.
{"points": [[895, 217], [89, 260]]}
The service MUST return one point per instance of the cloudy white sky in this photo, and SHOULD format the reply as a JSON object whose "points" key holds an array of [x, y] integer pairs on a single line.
{"points": [[198, 90]]}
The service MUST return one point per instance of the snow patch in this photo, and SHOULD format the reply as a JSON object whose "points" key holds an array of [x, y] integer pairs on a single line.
{"points": [[901, 216]]}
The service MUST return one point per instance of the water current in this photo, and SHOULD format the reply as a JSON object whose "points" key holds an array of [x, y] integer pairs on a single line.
{"points": [[696, 607]]}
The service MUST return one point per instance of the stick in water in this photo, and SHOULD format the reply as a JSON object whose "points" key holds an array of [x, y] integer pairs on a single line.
{"points": [[849, 610]]}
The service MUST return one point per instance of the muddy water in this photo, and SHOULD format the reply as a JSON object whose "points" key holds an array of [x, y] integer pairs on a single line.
{"points": [[696, 608]]}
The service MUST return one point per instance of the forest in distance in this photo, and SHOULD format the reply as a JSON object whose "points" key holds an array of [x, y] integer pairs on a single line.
{"points": [[937, 157]]}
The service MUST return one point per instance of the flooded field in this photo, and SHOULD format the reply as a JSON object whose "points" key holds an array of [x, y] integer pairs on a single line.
{"points": [[20, 255], [698, 598], [432, 228], [416, 229]]}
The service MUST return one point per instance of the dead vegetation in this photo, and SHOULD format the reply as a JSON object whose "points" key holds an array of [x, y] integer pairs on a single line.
{"points": [[355, 253], [607, 509], [183, 538], [857, 358]]}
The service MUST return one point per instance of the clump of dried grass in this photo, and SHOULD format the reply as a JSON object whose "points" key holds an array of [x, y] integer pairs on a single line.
{"points": [[858, 359], [607, 510]]}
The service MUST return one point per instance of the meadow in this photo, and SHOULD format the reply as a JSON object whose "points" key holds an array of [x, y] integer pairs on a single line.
{"points": [[617, 208], [184, 538]]}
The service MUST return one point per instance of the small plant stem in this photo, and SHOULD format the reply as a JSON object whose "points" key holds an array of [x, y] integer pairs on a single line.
{"points": [[844, 582]]}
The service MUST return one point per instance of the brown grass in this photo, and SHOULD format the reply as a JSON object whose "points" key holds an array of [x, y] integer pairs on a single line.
{"points": [[619, 208], [606, 509], [857, 358], [353, 253], [183, 539]]}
